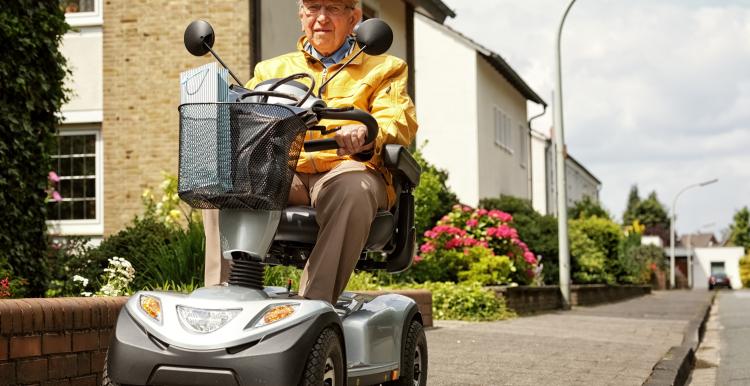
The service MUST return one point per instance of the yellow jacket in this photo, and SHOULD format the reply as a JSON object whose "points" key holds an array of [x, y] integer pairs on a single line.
{"points": [[376, 84]]}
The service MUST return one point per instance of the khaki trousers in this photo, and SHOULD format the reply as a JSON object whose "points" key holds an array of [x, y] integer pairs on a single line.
{"points": [[346, 199]]}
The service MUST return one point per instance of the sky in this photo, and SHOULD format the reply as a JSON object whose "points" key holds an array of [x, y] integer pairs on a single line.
{"points": [[656, 92]]}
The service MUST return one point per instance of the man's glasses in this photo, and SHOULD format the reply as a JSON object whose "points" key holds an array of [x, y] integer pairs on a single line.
{"points": [[315, 9]]}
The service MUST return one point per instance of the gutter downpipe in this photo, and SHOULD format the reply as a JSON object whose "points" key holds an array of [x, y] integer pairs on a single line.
{"points": [[530, 148]]}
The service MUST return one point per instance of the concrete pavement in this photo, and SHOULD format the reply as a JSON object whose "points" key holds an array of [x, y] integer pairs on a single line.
{"points": [[724, 354], [614, 344]]}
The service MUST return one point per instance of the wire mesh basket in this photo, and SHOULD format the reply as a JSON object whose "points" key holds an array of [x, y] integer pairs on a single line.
{"points": [[238, 155]]}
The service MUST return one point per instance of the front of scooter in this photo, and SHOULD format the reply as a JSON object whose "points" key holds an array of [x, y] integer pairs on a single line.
{"points": [[238, 157]]}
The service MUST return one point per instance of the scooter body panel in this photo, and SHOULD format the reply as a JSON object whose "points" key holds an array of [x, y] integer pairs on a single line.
{"points": [[144, 351]]}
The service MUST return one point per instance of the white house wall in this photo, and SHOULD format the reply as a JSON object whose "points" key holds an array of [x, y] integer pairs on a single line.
{"points": [[730, 256], [393, 12], [445, 70], [501, 171], [580, 184], [82, 49]]}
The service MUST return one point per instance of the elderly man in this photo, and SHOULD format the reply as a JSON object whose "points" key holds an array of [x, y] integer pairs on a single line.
{"points": [[346, 193]]}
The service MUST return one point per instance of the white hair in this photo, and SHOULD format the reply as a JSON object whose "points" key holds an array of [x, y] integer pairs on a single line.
{"points": [[354, 3]]}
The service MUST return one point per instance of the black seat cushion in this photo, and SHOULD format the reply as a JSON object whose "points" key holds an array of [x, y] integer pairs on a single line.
{"points": [[298, 225]]}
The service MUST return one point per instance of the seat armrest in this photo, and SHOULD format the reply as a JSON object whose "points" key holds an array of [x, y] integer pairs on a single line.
{"points": [[397, 159]]}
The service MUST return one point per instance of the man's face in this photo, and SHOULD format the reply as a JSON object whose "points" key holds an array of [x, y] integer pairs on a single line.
{"points": [[327, 23]]}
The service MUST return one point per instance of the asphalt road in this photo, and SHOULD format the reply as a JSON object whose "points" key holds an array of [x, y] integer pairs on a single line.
{"points": [[615, 344]]}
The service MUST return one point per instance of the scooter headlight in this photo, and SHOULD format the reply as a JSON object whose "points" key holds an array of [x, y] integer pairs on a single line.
{"points": [[204, 321], [276, 313], [151, 306]]}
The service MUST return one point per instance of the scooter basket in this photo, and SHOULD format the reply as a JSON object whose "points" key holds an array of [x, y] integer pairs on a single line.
{"points": [[238, 155]]}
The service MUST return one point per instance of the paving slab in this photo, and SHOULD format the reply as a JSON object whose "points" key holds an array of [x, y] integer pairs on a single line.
{"points": [[613, 344]]}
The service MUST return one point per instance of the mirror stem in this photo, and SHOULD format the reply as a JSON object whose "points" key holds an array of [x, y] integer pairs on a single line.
{"points": [[222, 64], [323, 86]]}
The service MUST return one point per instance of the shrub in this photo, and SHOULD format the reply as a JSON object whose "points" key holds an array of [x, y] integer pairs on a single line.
{"points": [[180, 259], [464, 228], [489, 269], [466, 301], [594, 245], [68, 258], [745, 270], [587, 207], [31, 93], [539, 232], [432, 197], [279, 276]]}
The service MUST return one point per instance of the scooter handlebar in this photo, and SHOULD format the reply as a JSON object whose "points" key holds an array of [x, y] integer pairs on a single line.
{"points": [[352, 115]]}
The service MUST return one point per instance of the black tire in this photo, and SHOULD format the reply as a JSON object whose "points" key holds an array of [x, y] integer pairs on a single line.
{"points": [[106, 381], [413, 358], [325, 363]]}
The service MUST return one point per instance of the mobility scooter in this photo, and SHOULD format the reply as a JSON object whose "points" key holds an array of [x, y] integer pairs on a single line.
{"points": [[240, 157]]}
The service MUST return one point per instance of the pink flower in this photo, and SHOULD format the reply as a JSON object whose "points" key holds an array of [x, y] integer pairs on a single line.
{"points": [[453, 243], [529, 257], [500, 215], [418, 258], [52, 176], [504, 232], [427, 248], [482, 212], [467, 209], [471, 222], [56, 196]]}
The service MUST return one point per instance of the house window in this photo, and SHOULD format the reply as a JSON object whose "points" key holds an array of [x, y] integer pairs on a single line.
{"points": [[77, 160], [523, 145], [503, 130], [81, 13]]}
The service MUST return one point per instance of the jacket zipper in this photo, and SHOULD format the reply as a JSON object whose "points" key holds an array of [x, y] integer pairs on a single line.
{"points": [[322, 80]]}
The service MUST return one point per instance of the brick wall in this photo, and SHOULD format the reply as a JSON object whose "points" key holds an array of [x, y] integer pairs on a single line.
{"points": [[55, 341], [525, 300], [143, 57]]}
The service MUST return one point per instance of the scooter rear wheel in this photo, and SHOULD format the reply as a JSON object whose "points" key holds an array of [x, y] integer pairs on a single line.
{"points": [[325, 363]]}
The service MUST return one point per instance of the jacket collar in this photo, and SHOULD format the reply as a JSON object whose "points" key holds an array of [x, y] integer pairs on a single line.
{"points": [[303, 41]]}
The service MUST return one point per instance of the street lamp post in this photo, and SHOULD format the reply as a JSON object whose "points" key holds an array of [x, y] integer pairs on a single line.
{"points": [[671, 226], [562, 201]]}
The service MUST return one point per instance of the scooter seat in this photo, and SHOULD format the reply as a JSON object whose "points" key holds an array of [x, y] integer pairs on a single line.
{"points": [[298, 225]]}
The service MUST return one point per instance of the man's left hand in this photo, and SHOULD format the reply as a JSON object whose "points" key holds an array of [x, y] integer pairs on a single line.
{"points": [[351, 139]]}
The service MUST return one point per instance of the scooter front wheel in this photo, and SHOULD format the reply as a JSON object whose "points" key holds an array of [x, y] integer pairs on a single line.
{"points": [[414, 358], [325, 363]]}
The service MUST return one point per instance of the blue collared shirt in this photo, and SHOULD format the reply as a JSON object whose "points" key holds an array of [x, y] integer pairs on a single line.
{"points": [[334, 58]]}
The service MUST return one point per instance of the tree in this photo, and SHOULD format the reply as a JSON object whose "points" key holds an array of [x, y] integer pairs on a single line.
{"points": [[633, 200], [740, 229], [587, 207], [32, 71]]}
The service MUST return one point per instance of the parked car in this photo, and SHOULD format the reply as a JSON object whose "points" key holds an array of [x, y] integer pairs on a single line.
{"points": [[719, 280]]}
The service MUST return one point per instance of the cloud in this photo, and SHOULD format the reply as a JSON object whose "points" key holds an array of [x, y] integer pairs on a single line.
{"points": [[656, 93]]}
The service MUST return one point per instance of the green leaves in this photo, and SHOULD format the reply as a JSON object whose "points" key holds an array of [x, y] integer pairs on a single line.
{"points": [[31, 88]]}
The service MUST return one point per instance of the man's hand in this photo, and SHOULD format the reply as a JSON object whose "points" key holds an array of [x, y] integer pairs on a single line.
{"points": [[351, 139]]}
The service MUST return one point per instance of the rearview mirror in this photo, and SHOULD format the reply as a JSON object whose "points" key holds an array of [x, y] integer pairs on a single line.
{"points": [[199, 37], [374, 35]]}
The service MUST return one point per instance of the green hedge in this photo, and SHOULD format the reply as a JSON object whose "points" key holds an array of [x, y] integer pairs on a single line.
{"points": [[32, 70]]}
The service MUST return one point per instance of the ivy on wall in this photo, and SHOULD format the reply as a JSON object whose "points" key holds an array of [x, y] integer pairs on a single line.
{"points": [[32, 71]]}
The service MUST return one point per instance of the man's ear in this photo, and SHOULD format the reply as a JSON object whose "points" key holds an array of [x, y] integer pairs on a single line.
{"points": [[356, 16]]}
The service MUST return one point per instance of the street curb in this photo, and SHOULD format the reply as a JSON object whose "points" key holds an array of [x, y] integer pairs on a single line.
{"points": [[675, 367]]}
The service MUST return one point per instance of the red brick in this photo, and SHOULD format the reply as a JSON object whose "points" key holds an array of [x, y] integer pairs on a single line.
{"points": [[85, 340], [62, 366], [48, 310], [97, 361], [56, 343], [27, 317], [3, 348], [7, 373], [68, 311], [81, 314], [25, 346], [37, 314], [17, 315], [34, 370], [6, 318], [84, 381], [84, 363], [105, 336], [96, 312], [59, 382]]}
